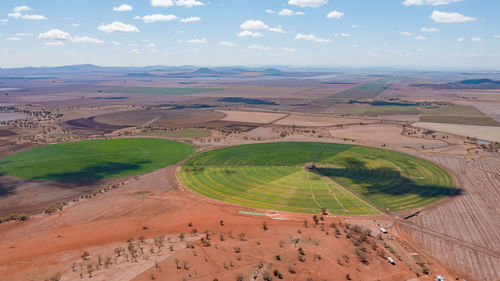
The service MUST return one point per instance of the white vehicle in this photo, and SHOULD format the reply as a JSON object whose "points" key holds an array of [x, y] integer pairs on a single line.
{"points": [[439, 278], [383, 230], [392, 261]]}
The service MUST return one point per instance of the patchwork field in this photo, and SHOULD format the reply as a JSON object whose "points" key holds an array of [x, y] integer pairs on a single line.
{"points": [[318, 121], [251, 117], [306, 177], [88, 161], [188, 133], [462, 120], [159, 90]]}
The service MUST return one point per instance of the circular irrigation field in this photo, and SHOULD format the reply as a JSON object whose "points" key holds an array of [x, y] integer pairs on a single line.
{"points": [[306, 177], [86, 161]]}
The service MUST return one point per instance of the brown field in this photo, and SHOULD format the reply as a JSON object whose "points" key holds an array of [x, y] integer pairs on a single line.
{"points": [[482, 132], [320, 121], [251, 117]]}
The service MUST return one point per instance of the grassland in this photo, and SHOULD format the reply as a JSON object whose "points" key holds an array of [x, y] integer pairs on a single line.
{"points": [[346, 179], [357, 109], [461, 120], [159, 90], [188, 133], [88, 161], [368, 90]]}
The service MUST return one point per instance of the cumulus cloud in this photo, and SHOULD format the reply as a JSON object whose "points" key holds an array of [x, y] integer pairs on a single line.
{"points": [[420, 37], [311, 37], [405, 33], [191, 19], [22, 8], [116, 43], [227, 44], [123, 8], [54, 43], [460, 39], [117, 27], [253, 24], [158, 17], [54, 35], [429, 29], [428, 2], [288, 12], [24, 34], [18, 13], [188, 3], [269, 11], [86, 39], [290, 50], [343, 34], [151, 45], [335, 15], [477, 39], [444, 17], [33, 17], [197, 41], [162, 3], [246, 33], [259, 47], [277, 29], [75, 24], [307, 3], [13, 39], [496, 36]]}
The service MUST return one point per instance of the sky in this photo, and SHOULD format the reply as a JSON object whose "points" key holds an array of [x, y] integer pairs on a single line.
{"points": [[332, 33]]}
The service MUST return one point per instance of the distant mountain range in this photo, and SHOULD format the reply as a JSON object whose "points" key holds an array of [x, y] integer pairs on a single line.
{"points": [[480, 84]]}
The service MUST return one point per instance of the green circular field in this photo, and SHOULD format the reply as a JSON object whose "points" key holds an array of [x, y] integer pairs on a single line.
{"points": [[305, 177], [86, 161]]}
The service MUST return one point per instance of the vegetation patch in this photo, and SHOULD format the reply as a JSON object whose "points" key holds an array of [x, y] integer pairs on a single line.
{"points": [[368, 90], [461, 120], [307, 177], [88, 161], [188, 133]]}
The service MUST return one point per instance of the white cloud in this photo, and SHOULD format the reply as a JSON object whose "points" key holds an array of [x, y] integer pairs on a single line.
{"points": [[86, 39], [443, 17], [117, 27], [24, 34], [158, 17], [22, 8], [162, 3], [55, 43], [13, 39], [33, 17], [151, 45], [122, 8], [134, 51], [460, 39], [197, 41], [15, 15], [406, 33], [307, 3], [269, 11], [288, 12], [311, 37], [4, 20], [335, 15], [420, 37], [259, 47], [354, 26], [247, 33], [116, 43], [188, 3], [343, 34], [496, 36], [253, 24], [277, 29], [191, 19], [75, 24], [429, 29], [54, 35], [227, 44], [289, 50], [428, 2], [477, 39]]}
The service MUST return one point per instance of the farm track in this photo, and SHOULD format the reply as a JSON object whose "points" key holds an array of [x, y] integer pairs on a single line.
{"points": [[463, 232]]}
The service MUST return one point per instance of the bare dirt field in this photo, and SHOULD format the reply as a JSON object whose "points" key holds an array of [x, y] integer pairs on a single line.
{"points": [[490, 133], [320, 121], [382, 134], [251, 117]]}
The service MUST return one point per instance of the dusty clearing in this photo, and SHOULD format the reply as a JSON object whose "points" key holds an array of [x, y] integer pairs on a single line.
{"points": [[490, 133], [251, 117], [382, 134]]}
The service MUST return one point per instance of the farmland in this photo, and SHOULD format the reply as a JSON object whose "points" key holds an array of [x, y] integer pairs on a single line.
{"points": [[368, 90], [159, 90], [462, 120], [188, 133], [87, 161], [345, 179]]}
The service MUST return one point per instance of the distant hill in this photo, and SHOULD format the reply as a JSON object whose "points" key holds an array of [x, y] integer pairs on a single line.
{"points": [[141, 74], [205, 70], [480, 84]]}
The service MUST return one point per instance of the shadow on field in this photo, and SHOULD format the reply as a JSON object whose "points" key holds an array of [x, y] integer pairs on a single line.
{"points": [[384, 180], [93, 173]]}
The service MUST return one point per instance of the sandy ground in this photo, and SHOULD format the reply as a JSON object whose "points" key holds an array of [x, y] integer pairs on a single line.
{"points": [[489, 133], [251, 117], [318, 121], [382, 134]]}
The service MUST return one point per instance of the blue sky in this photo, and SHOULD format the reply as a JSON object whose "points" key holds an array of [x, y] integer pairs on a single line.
{"points": [[414, 33]]}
